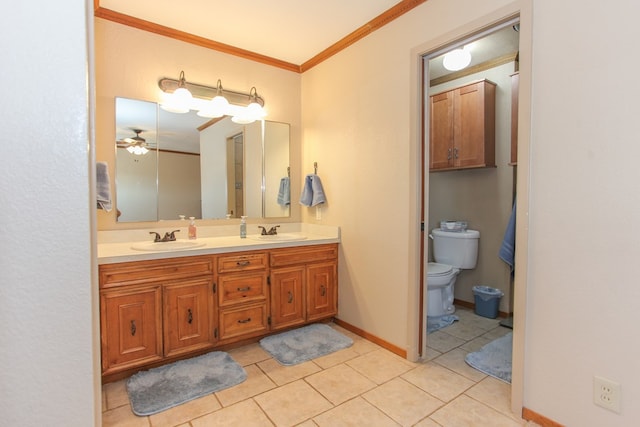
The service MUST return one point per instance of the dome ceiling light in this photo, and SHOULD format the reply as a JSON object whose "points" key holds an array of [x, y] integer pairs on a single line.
{"points": [[457, 59]]}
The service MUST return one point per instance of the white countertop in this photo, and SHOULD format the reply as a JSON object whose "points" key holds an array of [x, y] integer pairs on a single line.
{"points": [[117, 246]]}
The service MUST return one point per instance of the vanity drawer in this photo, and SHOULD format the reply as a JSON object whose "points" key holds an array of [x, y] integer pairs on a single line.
{"points": [[242, 262], [243, 321], [242, 288], [303, 255], [129, 273]]}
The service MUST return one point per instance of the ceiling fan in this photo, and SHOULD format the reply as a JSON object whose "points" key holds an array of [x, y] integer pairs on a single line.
{"points": [[135, 145]]}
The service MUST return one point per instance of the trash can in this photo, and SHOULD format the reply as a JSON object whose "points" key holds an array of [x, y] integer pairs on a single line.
{"points": [[487, 300]]}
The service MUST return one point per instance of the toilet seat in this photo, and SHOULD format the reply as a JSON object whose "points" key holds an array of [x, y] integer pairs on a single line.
{"points": [[435, 269], [439, 275]]}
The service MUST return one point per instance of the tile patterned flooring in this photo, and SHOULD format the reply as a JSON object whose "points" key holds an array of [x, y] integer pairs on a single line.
{"points": [[363, 385]]}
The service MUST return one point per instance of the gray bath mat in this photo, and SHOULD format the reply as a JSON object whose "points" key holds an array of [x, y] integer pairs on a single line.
{"points": [[438, 322], [494, 358], [170, 385], [306, 343]]}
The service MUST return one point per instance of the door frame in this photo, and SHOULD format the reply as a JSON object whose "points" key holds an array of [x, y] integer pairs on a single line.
{"points": [[521, 9]]}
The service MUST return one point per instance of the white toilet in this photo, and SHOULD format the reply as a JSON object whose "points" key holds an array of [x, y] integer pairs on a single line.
{"points": [[453, 251]]}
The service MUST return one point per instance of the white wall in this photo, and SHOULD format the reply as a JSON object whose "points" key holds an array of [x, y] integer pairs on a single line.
{"points": [[583, 296], [47, 288]]}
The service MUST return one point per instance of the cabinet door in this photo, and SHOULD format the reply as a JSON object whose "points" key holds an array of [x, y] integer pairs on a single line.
{"points": [[131, 328], [287, 297], [188, 316], [322, 291], [441, 131], [474, 124], [243, 321]]}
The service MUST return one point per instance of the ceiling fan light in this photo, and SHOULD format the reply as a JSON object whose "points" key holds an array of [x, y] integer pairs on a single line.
{"points": [[138, 150], [456, 60]]}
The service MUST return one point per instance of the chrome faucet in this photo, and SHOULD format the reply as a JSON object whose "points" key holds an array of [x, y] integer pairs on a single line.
{"points": [[168, 237], [272, 231]]}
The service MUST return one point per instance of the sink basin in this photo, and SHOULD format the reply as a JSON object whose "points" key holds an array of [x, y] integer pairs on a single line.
{"points": [[176, 245], [279, 237]]}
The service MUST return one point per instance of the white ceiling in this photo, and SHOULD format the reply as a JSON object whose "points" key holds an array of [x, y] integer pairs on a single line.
{"points": [[289, 30]]}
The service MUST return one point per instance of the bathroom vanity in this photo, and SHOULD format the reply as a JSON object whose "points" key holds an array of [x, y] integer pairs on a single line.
{"points": [[160, 306]]}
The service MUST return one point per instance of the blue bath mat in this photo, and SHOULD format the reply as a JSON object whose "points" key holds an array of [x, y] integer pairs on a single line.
{"points": [[438, 322], [306, 343], [170, 385], [494, 358]]}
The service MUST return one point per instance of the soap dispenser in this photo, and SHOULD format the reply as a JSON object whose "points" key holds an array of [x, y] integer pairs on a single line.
{"points": [[243, 227], [192, 228]]}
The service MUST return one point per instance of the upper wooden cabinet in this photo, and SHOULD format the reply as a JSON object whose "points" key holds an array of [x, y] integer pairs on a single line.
{"points": [[462, 127]]}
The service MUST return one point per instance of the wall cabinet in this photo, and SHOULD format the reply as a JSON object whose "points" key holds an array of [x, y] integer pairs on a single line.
{"points": [[462, 127], [155, 312]]}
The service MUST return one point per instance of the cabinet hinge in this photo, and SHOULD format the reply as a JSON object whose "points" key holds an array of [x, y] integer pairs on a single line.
{"points": [[215, 287], [269, 280], [269, 320], [215, 333]]}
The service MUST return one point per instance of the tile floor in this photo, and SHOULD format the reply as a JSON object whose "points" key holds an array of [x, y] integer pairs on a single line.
{"points": [[364, 385]]}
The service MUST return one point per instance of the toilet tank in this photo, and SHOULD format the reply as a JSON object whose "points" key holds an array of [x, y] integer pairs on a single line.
{"points": [[456, 248]]}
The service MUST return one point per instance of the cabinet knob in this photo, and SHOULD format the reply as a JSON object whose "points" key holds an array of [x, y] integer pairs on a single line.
{"points": [[245, 320], [449, 154], [189, 316], [245, 289], [455, 153], [323, 290], [133, 328], [290, 300], [243, 263]]}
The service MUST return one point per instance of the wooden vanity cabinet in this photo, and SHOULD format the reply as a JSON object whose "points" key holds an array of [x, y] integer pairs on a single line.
{"points": [[243, 296], [304, 285], [158, 311], [154, 310], [131, 327], [462, 127]]}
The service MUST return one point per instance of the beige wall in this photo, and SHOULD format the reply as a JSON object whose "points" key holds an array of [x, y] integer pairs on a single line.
{"points": [[372, 186], [130, 62], [482, 197]]}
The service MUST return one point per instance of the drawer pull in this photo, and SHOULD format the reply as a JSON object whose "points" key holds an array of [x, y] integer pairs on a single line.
{"points": [[189, 316], [133, 328], [245, 320], [323, 290], [243, 263], [245, 289], [290, 300]]}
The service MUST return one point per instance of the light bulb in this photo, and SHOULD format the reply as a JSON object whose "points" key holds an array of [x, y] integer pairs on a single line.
{"points": [[456, 60]]}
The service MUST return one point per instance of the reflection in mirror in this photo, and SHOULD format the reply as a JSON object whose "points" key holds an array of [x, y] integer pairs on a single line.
{"points": [[206, 168]]}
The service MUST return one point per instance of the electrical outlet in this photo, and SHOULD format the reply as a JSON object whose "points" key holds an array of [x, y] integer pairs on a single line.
{"points": [[607, 394]]}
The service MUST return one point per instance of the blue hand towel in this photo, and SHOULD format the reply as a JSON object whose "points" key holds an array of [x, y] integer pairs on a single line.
{"points": [[312, 191], [508, 248], [103, 189], [284, 193]]}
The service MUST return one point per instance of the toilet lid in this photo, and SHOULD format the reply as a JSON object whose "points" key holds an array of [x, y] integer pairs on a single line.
{"points": [[436, 269]]}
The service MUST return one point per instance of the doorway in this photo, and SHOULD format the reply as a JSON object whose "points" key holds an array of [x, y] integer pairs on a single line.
{"points": [[480, 196]]}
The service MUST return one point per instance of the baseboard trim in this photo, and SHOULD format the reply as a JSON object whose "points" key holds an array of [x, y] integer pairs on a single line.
{"points": [[530, 415], [382, 343]]}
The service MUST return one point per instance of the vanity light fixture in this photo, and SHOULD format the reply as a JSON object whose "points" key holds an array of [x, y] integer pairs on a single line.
{"points": [[217, 107], [456, 59], [181, 99], [212, 102]]}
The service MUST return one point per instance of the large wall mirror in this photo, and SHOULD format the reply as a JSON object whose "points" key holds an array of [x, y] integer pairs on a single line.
{"points": [[170, 164]]}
